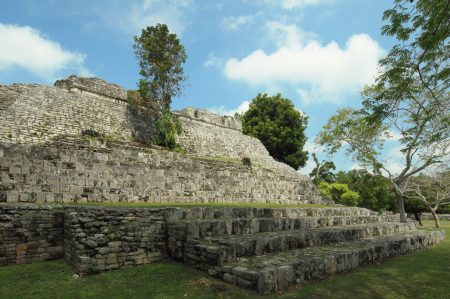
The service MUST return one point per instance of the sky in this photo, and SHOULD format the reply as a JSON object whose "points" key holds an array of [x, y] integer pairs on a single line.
{"points": [[317, 53]]}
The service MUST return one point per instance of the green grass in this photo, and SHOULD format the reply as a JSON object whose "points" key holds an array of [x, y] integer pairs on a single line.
{"points": [[424, 274], [194, 205]]}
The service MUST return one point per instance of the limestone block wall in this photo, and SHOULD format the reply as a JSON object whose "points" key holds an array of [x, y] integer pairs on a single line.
{"points": [[33, 114], [210, 135], [101, 239], [30, 233], [38, 165], [93, 86], [74, 171]]}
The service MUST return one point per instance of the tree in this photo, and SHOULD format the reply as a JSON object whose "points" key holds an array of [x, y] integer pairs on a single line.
{"points": [[322, 172], [160, 57], [374, 190], [339, 193], [431, 190], [410, 96], [279, 126]]}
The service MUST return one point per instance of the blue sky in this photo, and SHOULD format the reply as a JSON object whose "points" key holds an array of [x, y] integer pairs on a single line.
{"points": [[318, 53]]}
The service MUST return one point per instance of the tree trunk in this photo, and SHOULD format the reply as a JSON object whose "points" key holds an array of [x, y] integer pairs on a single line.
{"points": [[436, 218], [401, 208], [400, 203]]}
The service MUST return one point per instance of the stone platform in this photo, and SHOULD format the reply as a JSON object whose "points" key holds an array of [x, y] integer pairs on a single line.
{"points": [[266, 250]]}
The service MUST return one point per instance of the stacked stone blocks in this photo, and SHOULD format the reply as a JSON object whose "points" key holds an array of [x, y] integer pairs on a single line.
{"points": [[266, 250]]}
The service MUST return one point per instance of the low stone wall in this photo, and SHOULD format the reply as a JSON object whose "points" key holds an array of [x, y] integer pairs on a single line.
{"points": [[74, 171], [30, 233], [100, 239], [429, 216]]}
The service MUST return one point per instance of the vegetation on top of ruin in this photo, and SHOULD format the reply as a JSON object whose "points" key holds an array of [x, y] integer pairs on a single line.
{"points": [[279, 126], [160, 56]]}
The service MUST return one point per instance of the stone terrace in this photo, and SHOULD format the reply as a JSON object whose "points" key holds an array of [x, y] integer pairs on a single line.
{"points": [[266, 250]]}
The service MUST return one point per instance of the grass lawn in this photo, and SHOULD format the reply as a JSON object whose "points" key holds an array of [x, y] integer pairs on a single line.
{"points": [[424, 274]]}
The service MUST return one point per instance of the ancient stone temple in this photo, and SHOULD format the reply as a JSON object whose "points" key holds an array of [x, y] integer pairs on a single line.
{"points": [[44, 158], [76, 143]]}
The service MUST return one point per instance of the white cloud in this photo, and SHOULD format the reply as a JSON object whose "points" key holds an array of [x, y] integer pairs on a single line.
{"points": [[356, 167], [223, 111], [293, 4], [234, 23], [322, 73], [212, 61], [26, 48], [393, 136], [132, 16], [151, 12]]}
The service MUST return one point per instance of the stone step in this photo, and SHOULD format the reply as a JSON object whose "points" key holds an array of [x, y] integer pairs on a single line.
{"points": [[277, 271], [202, 228], [216, 251], [173, 214]]}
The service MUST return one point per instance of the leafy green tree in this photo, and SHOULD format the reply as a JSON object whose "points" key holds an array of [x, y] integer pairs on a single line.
{"points": [[160, 57], [409, 96], [339, 193], [323, 172], [279, 126], [374, 190]]}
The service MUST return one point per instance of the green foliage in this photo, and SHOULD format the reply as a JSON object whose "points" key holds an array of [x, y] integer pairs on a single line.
{"points": [[420, 61], [90, 133], [374, 190], [323, 172], [168, 126], [134, 98], [409, 96], [364, 140], [160, 57], [279, 126], [339, 193], [246, 161]]}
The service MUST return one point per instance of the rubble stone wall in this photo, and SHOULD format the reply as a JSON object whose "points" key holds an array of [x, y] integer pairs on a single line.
{"points": [[77, 172], [101, 239], [30, 233]]}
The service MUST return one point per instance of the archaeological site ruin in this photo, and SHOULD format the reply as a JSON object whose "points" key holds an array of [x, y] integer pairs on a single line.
{"points": [[52, 168]]}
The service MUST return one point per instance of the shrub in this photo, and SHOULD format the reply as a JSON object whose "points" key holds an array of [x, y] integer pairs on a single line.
{"points": [[168, 127], [246, 161], [339, 193], [90, 133]]}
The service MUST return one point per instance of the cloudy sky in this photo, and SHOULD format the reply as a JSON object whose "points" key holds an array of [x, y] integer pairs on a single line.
{"points": [[318, 53]]}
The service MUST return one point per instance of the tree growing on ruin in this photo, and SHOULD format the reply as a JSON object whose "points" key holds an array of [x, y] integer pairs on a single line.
{"points": [[161, 56], [279, 126], [410, 96]]}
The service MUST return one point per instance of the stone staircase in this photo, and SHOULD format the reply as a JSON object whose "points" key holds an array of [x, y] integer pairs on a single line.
{"points": [[268, 250]]}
